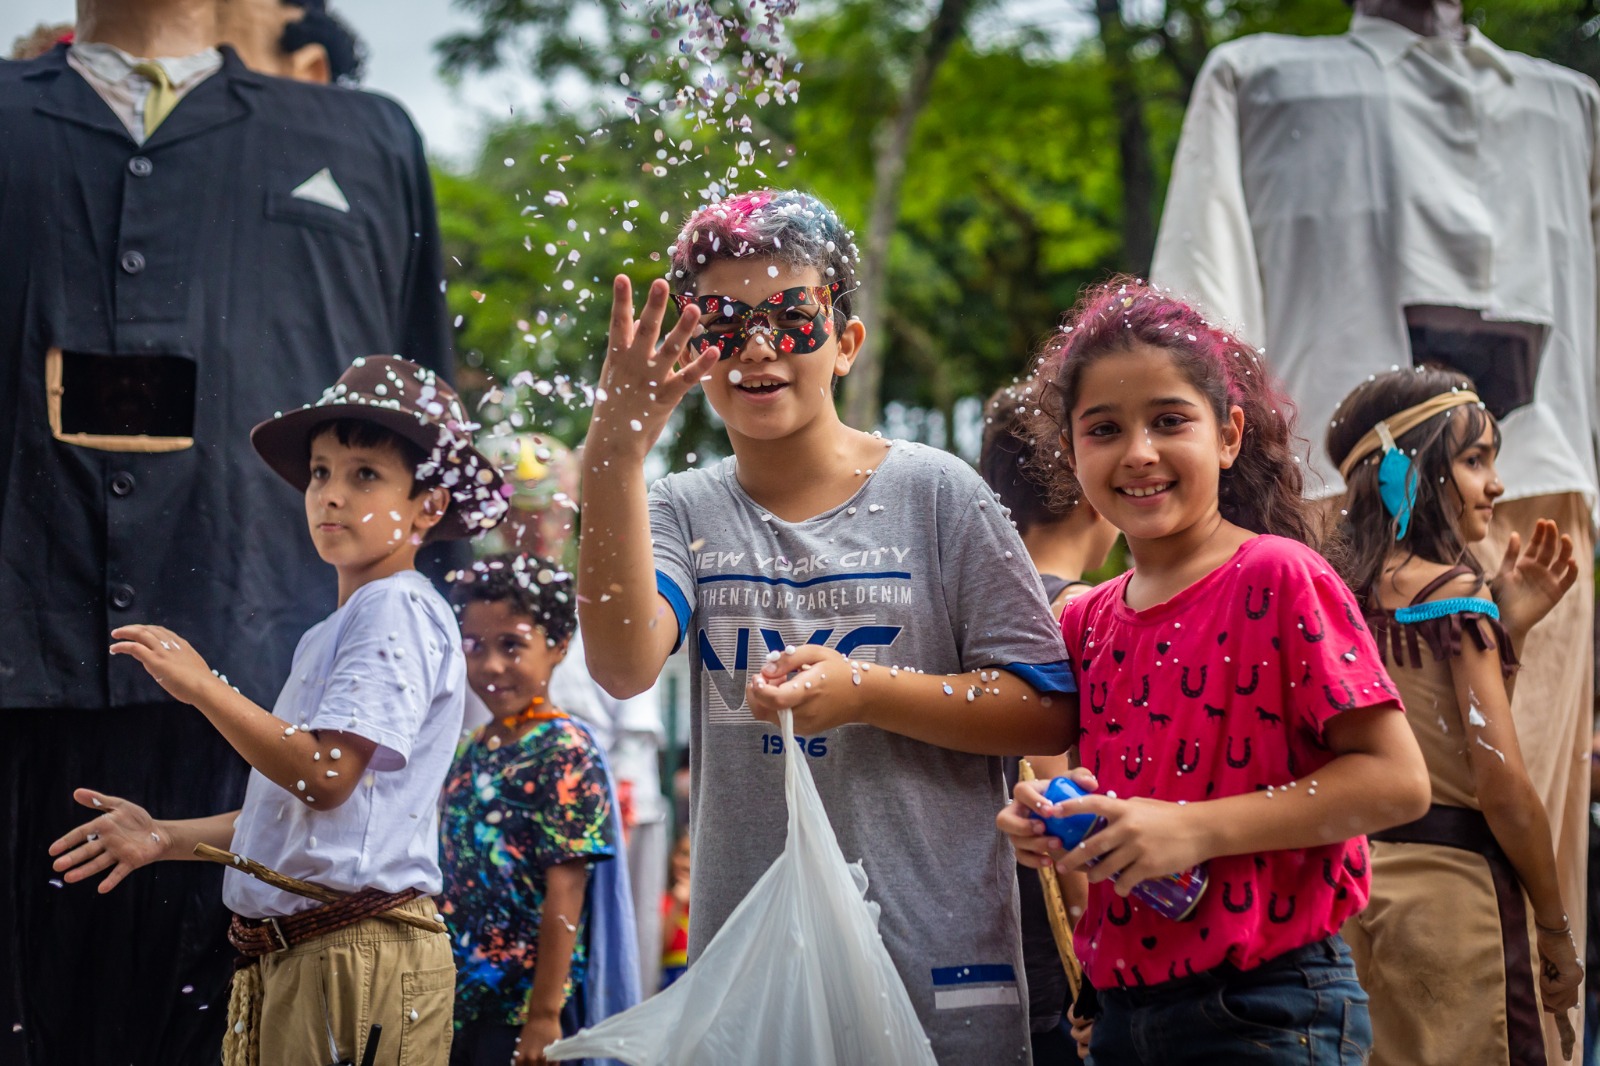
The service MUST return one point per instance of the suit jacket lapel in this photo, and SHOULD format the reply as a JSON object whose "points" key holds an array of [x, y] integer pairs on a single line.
{"points": [[216, 101], [71, 98]]}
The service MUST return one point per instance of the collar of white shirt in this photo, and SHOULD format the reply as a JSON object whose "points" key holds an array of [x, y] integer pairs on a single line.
{"points": [[111, 64], [1389, 42]]}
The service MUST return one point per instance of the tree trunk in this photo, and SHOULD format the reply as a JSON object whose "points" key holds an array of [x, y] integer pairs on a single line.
{"points": [[1133, 141], [862, 406]]}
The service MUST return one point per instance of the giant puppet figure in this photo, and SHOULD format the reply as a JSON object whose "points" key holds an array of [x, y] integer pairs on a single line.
{"points": [[189, 245], [1409, 192]]}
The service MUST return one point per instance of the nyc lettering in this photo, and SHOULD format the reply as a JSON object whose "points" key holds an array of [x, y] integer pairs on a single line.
{"points": [[727, 667], [847, 644], [816, 747]]}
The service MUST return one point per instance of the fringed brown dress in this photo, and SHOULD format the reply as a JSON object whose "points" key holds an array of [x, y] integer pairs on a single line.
{"points": [[1445, 946]]}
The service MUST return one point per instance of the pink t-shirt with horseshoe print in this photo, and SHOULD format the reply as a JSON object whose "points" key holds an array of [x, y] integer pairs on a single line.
{"points": [[1222, 690]]}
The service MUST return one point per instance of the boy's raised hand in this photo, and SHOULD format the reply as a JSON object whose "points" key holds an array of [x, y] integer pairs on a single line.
{"points": [[641, 383], [123, 838], [170, 659], [1531, 582]]}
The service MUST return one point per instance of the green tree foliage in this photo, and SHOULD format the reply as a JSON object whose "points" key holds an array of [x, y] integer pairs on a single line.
{"points": [[1013, 199]]}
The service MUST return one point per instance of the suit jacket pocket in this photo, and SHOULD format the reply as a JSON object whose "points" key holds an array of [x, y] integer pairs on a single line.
{"points": [[282, 207]]}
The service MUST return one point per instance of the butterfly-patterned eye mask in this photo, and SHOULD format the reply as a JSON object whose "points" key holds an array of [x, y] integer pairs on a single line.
{"points": [[795, 321]]}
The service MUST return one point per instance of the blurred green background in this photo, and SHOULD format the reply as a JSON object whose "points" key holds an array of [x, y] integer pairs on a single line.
{"points": [[993, 158]]}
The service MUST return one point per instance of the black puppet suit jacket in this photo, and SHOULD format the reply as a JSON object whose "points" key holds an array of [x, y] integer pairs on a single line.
{"points": [[269, 232]]}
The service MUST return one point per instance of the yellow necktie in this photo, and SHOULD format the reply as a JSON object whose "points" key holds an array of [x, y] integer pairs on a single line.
{"points": [[163, 97]]}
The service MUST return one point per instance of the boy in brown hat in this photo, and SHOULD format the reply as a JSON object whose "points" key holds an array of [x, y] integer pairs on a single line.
{"points": [[349, 763]]}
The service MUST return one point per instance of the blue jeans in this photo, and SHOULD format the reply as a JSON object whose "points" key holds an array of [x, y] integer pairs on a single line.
{"points": [[1305, 1006]]}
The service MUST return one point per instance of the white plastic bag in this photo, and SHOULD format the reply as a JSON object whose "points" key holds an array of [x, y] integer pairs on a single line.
{"points": [[798, 976]]}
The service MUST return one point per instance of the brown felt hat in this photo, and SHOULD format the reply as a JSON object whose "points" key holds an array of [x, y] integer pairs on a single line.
{"points": [[411, 402]]}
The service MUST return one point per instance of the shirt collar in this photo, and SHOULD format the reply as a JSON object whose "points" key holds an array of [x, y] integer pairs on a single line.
{"points": [[113, 64], [1389, 42]]}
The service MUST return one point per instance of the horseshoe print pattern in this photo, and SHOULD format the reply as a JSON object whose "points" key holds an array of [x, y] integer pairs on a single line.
{"points": [[1132, 765], [1339, 891], [1255, 682], [1337, 704], [1233, 681]]}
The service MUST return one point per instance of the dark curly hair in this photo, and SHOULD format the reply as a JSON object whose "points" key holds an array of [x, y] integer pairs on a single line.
{"points": [[1263, 490], [1023, 469], [530, 585], [1365, 534]]}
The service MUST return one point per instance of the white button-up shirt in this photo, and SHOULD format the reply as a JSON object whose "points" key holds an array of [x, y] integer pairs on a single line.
{"points": [[1324, 184], [110, 70]]}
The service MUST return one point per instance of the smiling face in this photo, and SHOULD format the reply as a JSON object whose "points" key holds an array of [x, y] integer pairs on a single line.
{"points": [[759, 391], [1146, 445], [1476, 485], [364, 519], [509, 659]]}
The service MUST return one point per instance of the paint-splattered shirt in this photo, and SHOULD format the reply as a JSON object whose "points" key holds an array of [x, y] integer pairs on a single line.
{"points": [[1224, 689], [508, 816]]}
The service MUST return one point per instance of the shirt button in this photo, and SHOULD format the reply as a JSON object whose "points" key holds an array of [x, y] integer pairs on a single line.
{"points": [[140, 167], [122, 483], [122, 597], [132, 262]]}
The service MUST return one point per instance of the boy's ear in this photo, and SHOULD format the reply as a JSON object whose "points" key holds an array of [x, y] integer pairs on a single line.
{"points": [[310, 63], [435, 502], [850, 340]]}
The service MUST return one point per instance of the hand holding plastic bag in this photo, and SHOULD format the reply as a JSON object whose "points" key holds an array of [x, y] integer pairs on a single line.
{"points": [[798, 976]]}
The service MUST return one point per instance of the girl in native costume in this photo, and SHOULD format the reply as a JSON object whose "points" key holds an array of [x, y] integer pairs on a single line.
{"points": [[1466, 930]]}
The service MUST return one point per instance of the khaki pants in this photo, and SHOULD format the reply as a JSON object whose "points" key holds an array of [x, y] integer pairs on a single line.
{"points": [[287, 1007], [1554, 700]]}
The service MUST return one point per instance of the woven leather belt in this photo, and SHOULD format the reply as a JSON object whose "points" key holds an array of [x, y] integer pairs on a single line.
{"points": [[253, 937]]}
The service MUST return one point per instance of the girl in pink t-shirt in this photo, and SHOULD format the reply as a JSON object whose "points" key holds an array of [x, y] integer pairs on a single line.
{"points": [[1234, 709]]}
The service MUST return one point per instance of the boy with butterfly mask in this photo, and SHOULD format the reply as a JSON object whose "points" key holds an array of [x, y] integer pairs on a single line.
{"points": [[861, 570]]}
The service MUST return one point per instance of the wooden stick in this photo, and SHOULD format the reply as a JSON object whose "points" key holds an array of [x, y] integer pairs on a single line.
{"points": [[1056, 905], [304, 888]]}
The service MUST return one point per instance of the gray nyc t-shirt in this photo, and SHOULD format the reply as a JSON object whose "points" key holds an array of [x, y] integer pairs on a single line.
{"points": [[921, 568]]}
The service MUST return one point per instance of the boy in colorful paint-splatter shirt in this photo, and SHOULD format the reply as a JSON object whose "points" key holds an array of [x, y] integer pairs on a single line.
{"points": [[526, 810]]}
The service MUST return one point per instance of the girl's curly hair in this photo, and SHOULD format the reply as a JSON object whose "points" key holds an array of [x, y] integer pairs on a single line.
{"points": [[1263, 490]]}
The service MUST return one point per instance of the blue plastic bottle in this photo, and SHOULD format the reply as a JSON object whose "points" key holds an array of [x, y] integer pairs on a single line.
{"points": [[1174, 896]]}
